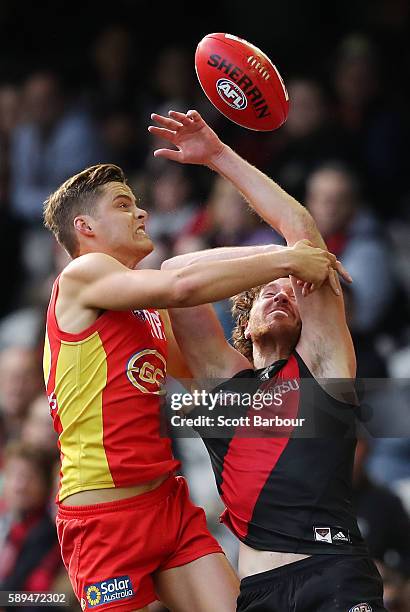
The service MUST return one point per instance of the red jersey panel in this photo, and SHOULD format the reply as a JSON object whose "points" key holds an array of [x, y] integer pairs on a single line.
{"points": [[105, 386]]}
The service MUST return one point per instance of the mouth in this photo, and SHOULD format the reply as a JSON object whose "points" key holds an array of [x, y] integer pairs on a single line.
{"points": [[141, 231], [281, 311]]}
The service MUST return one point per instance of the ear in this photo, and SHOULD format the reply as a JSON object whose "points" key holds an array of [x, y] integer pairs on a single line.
{"points": [[83, 224]]}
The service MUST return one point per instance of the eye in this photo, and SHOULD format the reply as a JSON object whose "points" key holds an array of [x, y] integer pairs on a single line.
{"points": [[124, 205]]}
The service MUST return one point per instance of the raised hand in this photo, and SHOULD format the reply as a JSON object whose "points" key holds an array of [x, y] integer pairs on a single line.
{"points": [[195, 141], [314, 266]]}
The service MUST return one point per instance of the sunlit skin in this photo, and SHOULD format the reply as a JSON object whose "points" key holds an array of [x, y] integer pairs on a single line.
{"points": [[274, 322], [117, 228]]}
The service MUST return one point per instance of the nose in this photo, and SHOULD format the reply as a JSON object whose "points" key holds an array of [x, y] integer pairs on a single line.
{"points": [[281, 298], [141, 214]]}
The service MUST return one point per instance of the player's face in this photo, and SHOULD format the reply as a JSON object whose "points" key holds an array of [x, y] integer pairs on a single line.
{"points": [[119, 223], [275, 311]]}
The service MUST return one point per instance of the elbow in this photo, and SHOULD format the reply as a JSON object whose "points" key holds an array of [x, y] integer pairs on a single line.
{"points": [[167, 264], [183, 290]]}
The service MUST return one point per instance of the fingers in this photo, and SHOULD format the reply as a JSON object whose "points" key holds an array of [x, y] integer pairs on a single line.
{"points": [[169, 154], [193, 114], [334, 281], [181, 117], [165, 122], [168, 135], [343, 272]]}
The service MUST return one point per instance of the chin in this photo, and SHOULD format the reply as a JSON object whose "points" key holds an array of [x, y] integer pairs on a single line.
{"points": [[145, 248]]}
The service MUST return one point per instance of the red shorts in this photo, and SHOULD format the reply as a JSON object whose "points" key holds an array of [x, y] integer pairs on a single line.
{"points": [[112, 550]]}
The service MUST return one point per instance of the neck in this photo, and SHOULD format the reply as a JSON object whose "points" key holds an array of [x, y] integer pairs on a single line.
{"points": [[266, 352]]}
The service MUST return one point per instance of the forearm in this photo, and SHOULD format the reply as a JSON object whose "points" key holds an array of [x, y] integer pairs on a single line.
{"points": [[271, 202], [201, 282], [222, 253]]}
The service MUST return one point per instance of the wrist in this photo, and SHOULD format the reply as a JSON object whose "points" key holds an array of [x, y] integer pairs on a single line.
{"points": [[285, 261], [217, 159]]}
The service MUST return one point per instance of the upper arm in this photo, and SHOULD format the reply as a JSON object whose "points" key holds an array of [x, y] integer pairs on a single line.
{"points": [[98, 281], [202, 341], [325, 343]]}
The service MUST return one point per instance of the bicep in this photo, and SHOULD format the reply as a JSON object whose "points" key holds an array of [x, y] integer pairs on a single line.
{"points": [[101, 282], [202, 341]]}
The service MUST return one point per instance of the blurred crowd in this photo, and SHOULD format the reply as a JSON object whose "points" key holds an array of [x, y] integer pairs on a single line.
{"points": [[342, 153]]}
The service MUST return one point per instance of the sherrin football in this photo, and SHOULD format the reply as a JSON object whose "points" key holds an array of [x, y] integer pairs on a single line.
{"points": [[241, 81]]}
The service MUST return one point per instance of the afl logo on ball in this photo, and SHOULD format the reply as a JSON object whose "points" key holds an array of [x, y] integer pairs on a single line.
{"points": [[363, 607], [231, 94]]}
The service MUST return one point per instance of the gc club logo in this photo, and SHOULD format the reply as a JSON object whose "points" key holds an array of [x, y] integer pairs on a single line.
{"points": [[146, 370], [362, 607], [232, 94], [93, 595]]}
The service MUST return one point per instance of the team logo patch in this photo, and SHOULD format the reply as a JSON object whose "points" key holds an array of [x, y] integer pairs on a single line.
{"points": [[107, 591], [323, 534], [146, 370], [362, 607], [332, 535], [232, 94]]}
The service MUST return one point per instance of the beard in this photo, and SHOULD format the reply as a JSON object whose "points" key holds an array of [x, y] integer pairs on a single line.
{"points": [[283, 331]]}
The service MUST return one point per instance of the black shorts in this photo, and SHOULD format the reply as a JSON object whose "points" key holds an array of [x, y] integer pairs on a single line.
{"points": [[321, 583]]}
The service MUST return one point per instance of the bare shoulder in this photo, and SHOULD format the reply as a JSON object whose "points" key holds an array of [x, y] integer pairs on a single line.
{"points": [[88, 266], [85, 270]]}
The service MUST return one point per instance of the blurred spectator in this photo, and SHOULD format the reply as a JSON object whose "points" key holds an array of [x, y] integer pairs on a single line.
{"points": [[53, 142], [396, 589], [10, 228], [112, 58], [37, 431], [356, 237], [173, 79], [308, 138], [370, 362], [366, 112], [121, 138], [226, 221], [29, 551], [170, 205], [383, 521], [20, 383]]}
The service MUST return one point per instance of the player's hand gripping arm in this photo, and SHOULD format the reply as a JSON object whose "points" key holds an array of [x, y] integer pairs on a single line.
{"points": [[99, 281], [324, 330]]}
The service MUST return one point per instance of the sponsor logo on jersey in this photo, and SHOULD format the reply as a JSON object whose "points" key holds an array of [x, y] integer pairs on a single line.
{"points": [[323, 534], [154, 320], [231, 94], [140, 314], [340, 537], [146, 370], [107, 591], [362, 607], [332, 535]]}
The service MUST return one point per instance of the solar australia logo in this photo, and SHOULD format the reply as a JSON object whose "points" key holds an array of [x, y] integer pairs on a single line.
{"points": [[231, 94], [107, 591]]}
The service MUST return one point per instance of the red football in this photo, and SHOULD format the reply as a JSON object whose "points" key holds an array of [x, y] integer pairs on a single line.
{"points": [[241, 81]]}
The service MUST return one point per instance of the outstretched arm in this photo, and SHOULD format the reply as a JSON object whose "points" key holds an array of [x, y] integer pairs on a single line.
{"points": [[325, 338]]}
